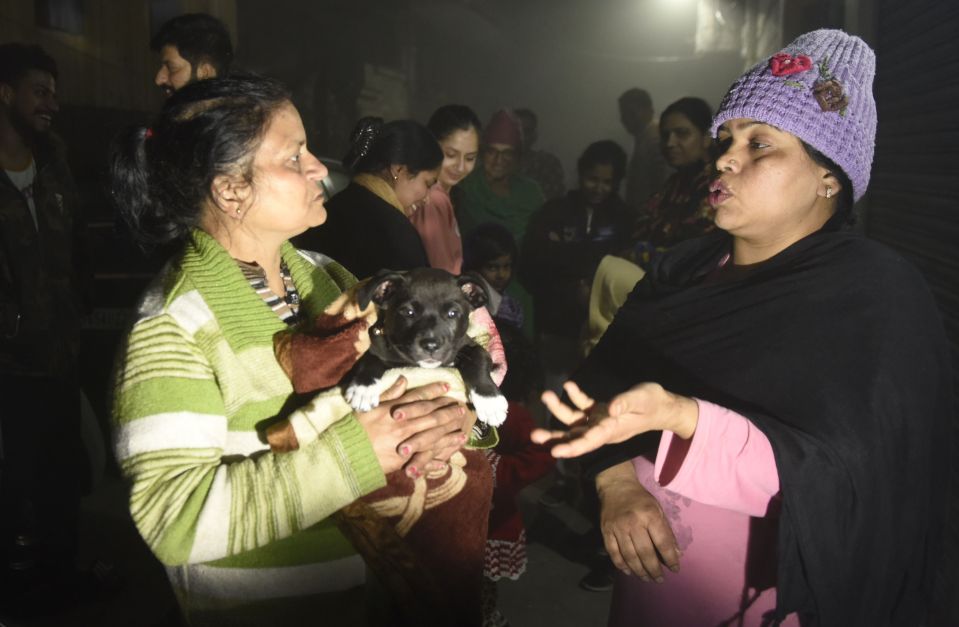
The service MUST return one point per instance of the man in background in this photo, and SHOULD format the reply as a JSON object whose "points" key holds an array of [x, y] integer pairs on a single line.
{"points": [[543, 167], [42, 298], [646, 172], [193, 47]]}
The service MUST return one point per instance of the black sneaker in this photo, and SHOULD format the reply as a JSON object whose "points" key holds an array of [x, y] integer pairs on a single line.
{"points": [[598, 580], [556, 495]]}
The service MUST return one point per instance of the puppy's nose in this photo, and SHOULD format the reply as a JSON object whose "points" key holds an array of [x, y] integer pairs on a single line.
{"points": [[429, 345]]}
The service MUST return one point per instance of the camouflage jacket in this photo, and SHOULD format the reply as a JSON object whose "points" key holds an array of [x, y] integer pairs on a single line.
{"points": [[40, 300]]}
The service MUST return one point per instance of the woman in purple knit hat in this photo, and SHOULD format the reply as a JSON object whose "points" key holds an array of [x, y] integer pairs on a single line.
{"points": [[774, 396]]}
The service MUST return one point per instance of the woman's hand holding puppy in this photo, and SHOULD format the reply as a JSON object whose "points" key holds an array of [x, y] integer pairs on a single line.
{"points": [[411, 428]]}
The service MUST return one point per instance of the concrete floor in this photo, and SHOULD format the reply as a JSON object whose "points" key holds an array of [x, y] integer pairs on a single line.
{"points": [[547, 594]]}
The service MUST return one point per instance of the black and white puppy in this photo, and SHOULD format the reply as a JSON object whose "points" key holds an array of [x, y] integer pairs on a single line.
{"points": [[422, 318]]}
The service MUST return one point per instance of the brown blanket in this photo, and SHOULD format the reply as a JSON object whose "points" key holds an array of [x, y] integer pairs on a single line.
{"points": [[424, 539]]}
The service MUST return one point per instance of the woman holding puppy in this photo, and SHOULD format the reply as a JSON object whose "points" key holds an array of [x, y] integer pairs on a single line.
{"points": [[798, 374], [244, 533]]}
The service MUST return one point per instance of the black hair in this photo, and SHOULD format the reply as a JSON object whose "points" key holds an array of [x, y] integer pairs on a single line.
{"points": [[17, 59], [844, 215], [603, 152], [375, 146], [696, 110], [485, 243], [451, 118], [161, 176], [199, 38], [637, 98]]}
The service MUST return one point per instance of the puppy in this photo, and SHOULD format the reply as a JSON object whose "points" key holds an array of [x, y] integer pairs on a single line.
{"points": [[422, 317]]}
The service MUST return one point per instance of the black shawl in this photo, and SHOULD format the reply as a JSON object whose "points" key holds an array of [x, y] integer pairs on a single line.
{"points": [[364, 234], [835, 350]]}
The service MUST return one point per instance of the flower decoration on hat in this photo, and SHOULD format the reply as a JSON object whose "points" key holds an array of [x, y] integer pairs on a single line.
{"points": [[827, 90], [784, 64], [830, 96]]}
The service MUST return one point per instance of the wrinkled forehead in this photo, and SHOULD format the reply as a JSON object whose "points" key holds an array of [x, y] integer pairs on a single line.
{"points": [[283, 129]]}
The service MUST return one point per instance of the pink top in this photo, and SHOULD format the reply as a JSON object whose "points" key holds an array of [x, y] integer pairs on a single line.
{"points": [[712, 489], [436, 224], [728, 462]]}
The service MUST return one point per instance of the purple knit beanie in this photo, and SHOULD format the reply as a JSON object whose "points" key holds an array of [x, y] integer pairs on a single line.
{"points": [[819, 88]]}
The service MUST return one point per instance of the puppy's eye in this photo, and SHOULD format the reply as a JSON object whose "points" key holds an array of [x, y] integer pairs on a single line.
{"points": [[452, 313], [408, 312]]}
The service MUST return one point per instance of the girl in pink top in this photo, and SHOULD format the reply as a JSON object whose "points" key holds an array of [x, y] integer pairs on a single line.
{"points": [[457, 129]]}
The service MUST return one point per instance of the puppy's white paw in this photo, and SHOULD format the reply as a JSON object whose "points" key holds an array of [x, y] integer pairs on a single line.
{"points": [[362, 397], [490, 409]]}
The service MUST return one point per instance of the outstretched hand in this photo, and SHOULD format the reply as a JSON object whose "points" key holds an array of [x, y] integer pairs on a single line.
{"points": [[646, 407]]}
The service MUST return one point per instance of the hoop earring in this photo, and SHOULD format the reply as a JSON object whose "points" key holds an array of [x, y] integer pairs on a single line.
{"points": [[828, 191]]}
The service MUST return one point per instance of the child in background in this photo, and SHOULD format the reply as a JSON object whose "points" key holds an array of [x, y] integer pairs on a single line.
{"points": [[491, 251], [516, 463]]}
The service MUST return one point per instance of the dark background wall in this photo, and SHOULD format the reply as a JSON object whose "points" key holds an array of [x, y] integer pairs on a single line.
{"points": [[568, 61]]}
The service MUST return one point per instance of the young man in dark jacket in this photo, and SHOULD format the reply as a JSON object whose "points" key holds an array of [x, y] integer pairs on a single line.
{"points": [[40, 306]]}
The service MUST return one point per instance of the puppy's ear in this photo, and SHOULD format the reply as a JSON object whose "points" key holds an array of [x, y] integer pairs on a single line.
{"points": [[380, 288], [474, 288]]}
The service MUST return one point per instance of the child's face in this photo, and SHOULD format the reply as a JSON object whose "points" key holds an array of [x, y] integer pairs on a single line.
{"points": [[498, 272]]}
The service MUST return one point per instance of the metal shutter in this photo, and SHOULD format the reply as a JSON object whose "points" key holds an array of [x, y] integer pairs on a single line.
{"points": [[913, 203]]}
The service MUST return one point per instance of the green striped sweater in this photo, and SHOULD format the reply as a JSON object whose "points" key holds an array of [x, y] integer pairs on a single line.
{"points": [[244, 534]]}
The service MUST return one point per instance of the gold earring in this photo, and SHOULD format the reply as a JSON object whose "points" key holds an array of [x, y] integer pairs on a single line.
{"points": [[828, 191], [238, 211]]}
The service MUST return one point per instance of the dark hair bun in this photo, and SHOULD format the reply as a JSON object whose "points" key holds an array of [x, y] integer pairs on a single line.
{"points": [[151, 222], [376, 145], [361, 139]]}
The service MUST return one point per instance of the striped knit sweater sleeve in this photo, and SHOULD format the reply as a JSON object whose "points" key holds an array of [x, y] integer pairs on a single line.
{"points": [[195, 383]]}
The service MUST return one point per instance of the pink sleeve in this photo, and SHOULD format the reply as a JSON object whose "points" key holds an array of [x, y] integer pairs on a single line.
{"points": [[492, 342], [436, 224], [728, 462]]}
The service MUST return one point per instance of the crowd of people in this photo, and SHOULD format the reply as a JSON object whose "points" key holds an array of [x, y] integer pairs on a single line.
{"points": [[750, 424]]}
